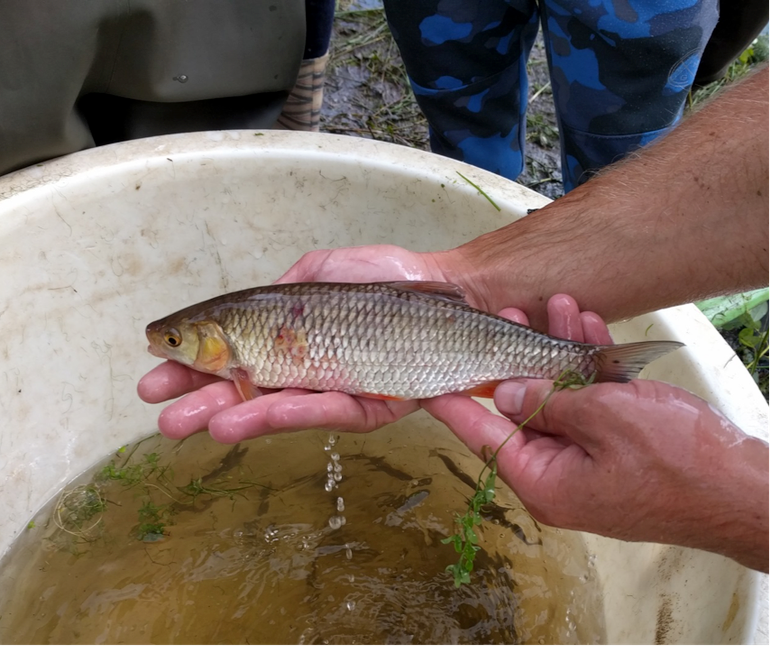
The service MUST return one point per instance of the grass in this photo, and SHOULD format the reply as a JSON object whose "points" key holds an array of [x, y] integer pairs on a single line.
{"points": [[755, 54]]}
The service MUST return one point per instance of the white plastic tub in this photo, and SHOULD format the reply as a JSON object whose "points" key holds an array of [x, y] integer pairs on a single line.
{"points": [[95, 245]]}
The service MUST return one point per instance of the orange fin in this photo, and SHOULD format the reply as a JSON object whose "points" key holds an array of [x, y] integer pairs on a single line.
{"points": [[433, 288], [483, 390], [244, 386], [387, 398]]}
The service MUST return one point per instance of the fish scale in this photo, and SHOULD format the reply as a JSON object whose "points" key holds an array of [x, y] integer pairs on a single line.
{"points": [[405, 340]]}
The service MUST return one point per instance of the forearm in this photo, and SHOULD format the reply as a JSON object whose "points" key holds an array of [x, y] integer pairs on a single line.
{"points": [[683, 220], [732, 517]]}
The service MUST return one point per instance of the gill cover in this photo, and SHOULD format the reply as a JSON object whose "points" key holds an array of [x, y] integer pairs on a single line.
{"points": [[213, 349]]}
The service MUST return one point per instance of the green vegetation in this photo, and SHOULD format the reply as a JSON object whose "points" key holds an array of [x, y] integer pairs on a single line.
{"points": [[754, 55], [742, 321], [466, 539], [80, 511]]}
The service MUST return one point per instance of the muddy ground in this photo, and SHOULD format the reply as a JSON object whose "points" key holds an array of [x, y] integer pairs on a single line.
{"points": [[367, 94]]}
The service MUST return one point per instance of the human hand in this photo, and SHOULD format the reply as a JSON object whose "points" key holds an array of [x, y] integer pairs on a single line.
{"points": [[642, 461], [215, 404]]}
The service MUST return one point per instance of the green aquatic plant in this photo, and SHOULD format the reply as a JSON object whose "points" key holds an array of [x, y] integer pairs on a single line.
{"points": [[153, 520], [78, 511], [466, 539]]}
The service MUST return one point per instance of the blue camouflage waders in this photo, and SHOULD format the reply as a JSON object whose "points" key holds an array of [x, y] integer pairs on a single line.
{"points": [[620, 72]]}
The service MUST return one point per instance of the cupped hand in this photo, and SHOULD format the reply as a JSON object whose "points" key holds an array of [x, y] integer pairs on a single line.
{"points": [[215, 405]]}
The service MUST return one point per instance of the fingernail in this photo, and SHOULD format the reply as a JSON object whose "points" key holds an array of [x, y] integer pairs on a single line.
{"points": [[509, 397]]}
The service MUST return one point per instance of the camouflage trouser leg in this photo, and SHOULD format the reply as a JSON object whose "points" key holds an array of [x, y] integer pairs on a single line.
{"points": [[467, 64], [620, 70]]}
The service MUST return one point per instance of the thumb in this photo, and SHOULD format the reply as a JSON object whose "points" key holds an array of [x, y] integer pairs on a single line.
{"points": [[520, 398], [562, 412]]}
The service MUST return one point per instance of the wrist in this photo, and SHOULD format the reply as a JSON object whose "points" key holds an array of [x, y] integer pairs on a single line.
{"points": [[735, 512], [457, 267]]}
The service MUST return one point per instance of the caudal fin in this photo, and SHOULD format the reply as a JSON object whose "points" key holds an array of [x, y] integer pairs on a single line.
{"points": [[624, 362]]}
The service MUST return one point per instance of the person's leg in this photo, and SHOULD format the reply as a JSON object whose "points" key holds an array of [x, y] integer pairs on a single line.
{"points": [[467, 65], [621, 72], [302, 110]]}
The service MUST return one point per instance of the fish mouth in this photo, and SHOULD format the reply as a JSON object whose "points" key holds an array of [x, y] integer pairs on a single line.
{"points": [[155, 352]]}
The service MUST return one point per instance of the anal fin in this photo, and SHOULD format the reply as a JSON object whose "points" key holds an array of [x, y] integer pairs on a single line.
{"points": [[483, 390]]}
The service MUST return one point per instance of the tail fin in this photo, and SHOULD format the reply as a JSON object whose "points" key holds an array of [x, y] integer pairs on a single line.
{"points": [[624, 362]]}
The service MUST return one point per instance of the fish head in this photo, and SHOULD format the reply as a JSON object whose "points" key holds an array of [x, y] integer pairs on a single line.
{"points": [[202, 345]]}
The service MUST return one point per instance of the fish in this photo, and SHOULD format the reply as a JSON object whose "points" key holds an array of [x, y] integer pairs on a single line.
{"points": [[399, 340]]}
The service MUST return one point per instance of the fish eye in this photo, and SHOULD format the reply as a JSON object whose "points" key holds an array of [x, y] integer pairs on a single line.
{"points": [[173, 338]]}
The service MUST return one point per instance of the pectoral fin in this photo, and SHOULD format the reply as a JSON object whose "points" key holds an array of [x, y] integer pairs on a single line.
{"points": [[246, 389]]}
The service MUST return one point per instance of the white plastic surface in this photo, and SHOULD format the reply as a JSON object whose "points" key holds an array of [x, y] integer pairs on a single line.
{"points": [[95, 245]]}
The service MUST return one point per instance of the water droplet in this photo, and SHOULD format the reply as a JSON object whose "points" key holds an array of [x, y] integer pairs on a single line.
{"points": [[592, 560], [349, 556], [351, 578], [350, 605], [335, 522], [182, 78], [332, 440], [327, 447], [335, 456], [337, 477], [329, 485], [583, 578], [338, 468], [329, 467], [340, 504]]}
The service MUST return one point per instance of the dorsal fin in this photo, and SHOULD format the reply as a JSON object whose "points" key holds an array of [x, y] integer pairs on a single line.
{"points": [[431, 287]]}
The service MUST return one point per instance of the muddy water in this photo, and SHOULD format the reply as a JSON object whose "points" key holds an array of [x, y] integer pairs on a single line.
{"points": [[203, 543]]}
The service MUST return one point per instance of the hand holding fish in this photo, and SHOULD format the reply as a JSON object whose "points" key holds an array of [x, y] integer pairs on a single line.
{"points": [[394, 341], [640, 461]]}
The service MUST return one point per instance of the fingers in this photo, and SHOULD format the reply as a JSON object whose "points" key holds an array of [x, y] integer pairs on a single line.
{"points": [[568, 413], [595, 329], [566, 321], [218, 407], [170, 380], [295, 410], [472, 423], [564, 318], [515, 315], [193, 413]]}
